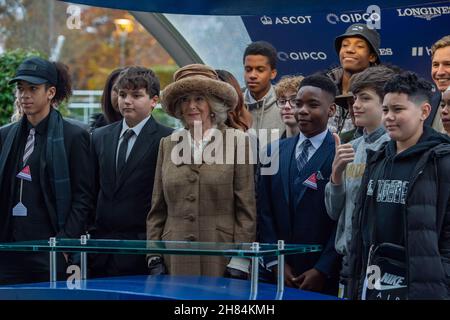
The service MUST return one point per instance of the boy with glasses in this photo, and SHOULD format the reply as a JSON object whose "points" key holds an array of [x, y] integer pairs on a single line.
{"points": [[286, 91]]}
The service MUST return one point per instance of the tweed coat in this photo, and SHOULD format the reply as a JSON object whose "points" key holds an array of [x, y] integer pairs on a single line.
{"points": [[202, 202]]}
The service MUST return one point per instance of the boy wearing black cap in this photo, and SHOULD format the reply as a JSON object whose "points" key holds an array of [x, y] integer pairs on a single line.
{"points": [[358, 49], [44, 171]]}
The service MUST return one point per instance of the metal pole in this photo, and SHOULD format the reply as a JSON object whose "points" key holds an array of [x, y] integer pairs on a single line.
{"points": [[280, 281], [52, 243], [255, 273], [123, 41], [51, 25], [83, 259]]}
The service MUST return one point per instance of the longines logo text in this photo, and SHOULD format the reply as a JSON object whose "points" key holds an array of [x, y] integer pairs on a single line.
{"points": [[424, 12], [266, 20]]}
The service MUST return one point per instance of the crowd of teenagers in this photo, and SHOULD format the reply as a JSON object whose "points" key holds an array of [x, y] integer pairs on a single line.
{"points": [[376, 196]]}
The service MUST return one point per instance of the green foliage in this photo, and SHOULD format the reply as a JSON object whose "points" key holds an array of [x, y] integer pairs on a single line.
{"points": [[164, 73], [165, 119]]}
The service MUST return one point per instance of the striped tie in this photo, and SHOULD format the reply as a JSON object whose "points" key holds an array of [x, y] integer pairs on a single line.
{"points": [[29, 147], [302, 159]]}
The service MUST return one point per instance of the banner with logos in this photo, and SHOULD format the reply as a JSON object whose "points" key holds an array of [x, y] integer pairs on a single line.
{"points": [[235, 7], [305, 43]]}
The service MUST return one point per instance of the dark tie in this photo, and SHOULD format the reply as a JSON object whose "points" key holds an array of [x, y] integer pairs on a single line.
{"points": [[122, 157], [302, 159]]}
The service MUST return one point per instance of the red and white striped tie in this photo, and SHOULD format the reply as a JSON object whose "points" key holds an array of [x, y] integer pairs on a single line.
{"points": [[29, 147]]}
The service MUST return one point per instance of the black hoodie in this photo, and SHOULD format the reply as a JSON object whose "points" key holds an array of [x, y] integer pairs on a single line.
{"points": [[388, 188]]}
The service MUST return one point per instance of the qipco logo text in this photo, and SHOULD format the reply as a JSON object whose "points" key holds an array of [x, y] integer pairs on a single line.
{"points": [[352, 17], [302, 55]]}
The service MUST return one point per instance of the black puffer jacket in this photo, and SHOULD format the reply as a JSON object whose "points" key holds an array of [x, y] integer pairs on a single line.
{"points": [[427, 223]]}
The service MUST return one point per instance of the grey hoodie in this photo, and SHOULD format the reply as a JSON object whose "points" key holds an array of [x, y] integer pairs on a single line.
{"points": [[340, 199], [265, 113]]}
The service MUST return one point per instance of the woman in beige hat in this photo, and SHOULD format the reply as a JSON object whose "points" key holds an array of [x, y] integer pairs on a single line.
{"points": [[195, 198]]}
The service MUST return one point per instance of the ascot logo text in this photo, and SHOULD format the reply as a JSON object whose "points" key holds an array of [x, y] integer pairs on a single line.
{"points": [[424, 12], [266, 20]]}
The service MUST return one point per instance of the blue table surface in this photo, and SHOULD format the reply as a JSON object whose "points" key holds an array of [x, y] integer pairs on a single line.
{"points": [[151, 288]]}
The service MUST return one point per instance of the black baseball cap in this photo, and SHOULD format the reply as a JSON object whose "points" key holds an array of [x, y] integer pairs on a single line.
{"points": [[360, 30], [36, 70]]}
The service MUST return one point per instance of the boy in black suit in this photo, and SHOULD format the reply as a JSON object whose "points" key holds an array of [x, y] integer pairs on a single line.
{"points": [[124, 155]]}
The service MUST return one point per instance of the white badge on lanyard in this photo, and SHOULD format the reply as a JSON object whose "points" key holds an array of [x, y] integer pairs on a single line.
{"points": [[19, 210]]}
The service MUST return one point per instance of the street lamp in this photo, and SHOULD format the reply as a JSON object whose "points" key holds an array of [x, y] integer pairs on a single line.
{"points": [[123, 27]]}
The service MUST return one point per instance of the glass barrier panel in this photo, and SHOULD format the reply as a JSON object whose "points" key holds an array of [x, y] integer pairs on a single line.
{"points": [[159, 247]]}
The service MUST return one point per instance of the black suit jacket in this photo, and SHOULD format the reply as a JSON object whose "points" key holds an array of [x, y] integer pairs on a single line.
{"points": [[124, 201], [76, 142]]}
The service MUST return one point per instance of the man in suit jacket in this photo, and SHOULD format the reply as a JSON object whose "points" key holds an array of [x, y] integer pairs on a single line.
{"points": [[291, 204], [124, 155], [440, 73]]}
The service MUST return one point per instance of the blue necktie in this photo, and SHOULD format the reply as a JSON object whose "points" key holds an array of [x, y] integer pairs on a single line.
{"points": [[302, 159]]}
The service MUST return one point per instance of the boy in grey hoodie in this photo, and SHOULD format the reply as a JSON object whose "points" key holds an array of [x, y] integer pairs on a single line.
{"points": [[350, 159], [260, 59]]}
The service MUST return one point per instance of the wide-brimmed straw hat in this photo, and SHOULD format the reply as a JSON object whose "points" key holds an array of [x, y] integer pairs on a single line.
{"points": [[198, 78]]}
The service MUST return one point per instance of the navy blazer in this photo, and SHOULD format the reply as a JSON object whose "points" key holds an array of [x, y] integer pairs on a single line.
{"points": [[310, 223]]}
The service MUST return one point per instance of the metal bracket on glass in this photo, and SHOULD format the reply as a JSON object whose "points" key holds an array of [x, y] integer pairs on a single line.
{"points": [[52, 243], [83, 262], [255, 272], [280, 282]]}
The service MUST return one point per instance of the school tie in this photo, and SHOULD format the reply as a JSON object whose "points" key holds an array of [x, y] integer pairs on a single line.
{"points": [[302, 159], [29, 146], [122, 157]]}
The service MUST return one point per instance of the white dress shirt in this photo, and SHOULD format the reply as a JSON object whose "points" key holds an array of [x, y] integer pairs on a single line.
{"points": [[137, 130], [316, 142]]}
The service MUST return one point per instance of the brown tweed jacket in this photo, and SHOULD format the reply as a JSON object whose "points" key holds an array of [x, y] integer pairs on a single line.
{"points": [[202, 202]]}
